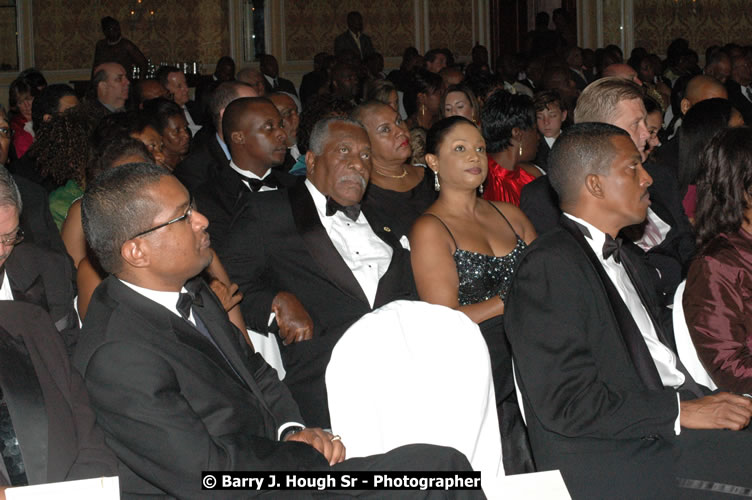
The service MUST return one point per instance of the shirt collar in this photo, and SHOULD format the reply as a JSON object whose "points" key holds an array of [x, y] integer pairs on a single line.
{"points": [[269, 79], [352, 33], [319, 200], [596, 238], [247, 173], [224, 147], [169, 300]]}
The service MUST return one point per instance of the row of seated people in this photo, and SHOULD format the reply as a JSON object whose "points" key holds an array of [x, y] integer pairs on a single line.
{"points": [[261, 256]]}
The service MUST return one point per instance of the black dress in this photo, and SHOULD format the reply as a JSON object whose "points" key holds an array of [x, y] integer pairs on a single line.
{"points": [[482, 277], [398, 210]]}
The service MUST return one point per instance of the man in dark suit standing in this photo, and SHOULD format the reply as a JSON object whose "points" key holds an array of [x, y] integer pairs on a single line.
{"points": [[272, 81], [31, 273], [607, 400], [354, 40], [209, 152], [739, 86], [44, 406], [665, 238], [311, 257], [253, 129], [171, 380]]}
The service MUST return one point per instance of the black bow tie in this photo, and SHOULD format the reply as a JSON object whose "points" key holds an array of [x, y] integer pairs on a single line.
{"points": [[332, 207], [256, 184], [186, 301], [612, 247]]}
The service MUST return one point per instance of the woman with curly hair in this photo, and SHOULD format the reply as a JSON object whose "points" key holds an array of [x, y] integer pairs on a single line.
{"points": [[717, 305], [61, 152]]}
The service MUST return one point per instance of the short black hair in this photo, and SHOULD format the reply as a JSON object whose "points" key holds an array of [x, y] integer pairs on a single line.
{"points": [[159, 110], [118, 147], [439, 131], [48, 101], [163, 72], [117, 205], [503, 112], [422, 81], [236, 113], [108, 21], [431, 54], [581, 150]]}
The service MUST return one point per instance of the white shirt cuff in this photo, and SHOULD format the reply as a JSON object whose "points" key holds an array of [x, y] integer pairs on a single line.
{"points": [[284, 426], [677, 424]]}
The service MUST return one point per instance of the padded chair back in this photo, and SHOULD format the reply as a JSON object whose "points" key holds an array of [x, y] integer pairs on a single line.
{"points": [[411, 372]]}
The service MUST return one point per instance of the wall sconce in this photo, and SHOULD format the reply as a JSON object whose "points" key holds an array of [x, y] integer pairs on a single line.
{"points": [[138, 11]]}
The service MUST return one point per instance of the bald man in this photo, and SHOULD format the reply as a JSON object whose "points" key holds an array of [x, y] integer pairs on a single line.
{"points": [[149, 89], [290, 121], [255, 136], [621, 70], [700, 88], [254, 78], [110, 85]]}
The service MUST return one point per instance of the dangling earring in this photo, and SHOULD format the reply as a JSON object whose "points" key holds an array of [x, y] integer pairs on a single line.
{"points": [[436, 184], [520, 149], [480, 188], [422, 110]]}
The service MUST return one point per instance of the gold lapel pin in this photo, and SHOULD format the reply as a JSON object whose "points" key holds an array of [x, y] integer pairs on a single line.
{"points": [[387, 229]]}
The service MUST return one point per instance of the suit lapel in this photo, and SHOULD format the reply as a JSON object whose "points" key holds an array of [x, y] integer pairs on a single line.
{"points": [[318, 243], [630, 333], [25, 400], [26, 284]]}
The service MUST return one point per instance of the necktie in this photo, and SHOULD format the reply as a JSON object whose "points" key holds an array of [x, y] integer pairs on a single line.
{"points": [[332, 207], [256, 184], [186, 301], [748, 93], [612, 247]]}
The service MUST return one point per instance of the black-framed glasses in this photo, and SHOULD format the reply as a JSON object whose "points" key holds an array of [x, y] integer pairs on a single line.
{"points": [[12, 238], [185, 216]]}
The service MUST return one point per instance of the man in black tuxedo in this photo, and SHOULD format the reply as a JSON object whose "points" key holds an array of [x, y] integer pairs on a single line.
{"points": [[308, 255], [354, 40], [174, 81], [31, 273], [254, 132], [607, 400], [272, 81], [665, 238], [739, 86], [172, 381], [209, 152], [45, 406]]}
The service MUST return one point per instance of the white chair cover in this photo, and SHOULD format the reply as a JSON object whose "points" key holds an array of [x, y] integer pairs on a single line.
{"points": [[684, 346], [412, 372], [268, 347]]}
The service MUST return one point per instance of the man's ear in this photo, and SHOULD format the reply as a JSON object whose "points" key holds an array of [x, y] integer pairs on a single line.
{"points": [[433, 162], [46, 117], [684, 106], [563, 115], [136, 252], [237, 137], [310, 160], [594, 186]]}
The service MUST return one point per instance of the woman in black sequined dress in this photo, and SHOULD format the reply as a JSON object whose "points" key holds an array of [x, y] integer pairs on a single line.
{"points": [[464, 253]]}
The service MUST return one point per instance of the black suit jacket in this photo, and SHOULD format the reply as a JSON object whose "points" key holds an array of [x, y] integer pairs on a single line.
{"points": [[283, 85], [47, 400], [221, 198], [346, 42], [36, 218], [579, 82], [671, 258], [197, 111], [277, 243], [594, 409], [541, 157], [47, 279], [738, 100], [172, 404], [203, 162]]}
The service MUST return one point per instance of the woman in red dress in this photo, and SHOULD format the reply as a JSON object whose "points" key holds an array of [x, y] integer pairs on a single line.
{"points": [[508, 123]]}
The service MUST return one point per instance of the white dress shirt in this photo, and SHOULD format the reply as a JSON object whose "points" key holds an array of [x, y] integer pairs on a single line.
{"points": [[367, 255], [224, 147], [663, 357], [169, 300], [191, 124], [655, 232], [550, 140], [247, 174], [5, 291]]}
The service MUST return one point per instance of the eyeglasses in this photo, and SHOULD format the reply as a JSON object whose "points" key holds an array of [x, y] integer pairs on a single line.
{"points": [[13, 238], [185, 216]]}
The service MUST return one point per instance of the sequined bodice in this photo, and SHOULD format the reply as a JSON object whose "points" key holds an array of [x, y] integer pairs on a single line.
{"points": [[484, 276]]}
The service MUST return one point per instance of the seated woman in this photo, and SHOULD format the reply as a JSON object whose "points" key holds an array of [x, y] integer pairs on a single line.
{"points": [[422, 99], [169, 121], [509, 128], [717, 305], [654, 123], [699, 125], [21, 96], [459, 100], [464, 252], [397, 192]]}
